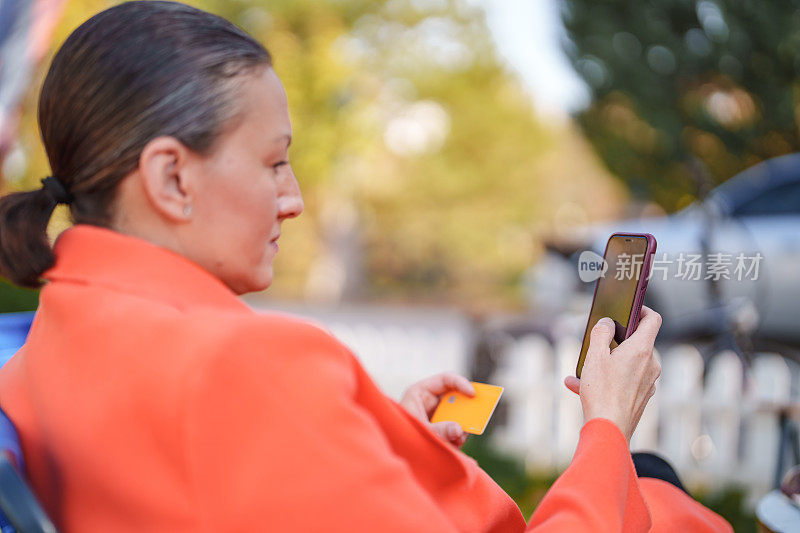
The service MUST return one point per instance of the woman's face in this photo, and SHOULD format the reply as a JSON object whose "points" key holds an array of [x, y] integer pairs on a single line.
{"points": [[247, 189]]}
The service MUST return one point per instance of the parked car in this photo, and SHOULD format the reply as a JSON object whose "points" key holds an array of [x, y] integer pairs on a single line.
{"points": [[754, 216]]}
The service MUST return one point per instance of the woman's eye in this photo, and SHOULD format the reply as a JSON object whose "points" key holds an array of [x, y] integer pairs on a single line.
{"points": [[278, 165]]}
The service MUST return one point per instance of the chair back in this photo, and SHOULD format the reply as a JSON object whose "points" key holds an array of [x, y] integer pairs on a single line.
{"points": [[13, 332], [20, 511]]}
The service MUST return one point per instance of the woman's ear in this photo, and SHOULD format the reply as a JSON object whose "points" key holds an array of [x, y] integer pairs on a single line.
{"points": [[166, 183]]}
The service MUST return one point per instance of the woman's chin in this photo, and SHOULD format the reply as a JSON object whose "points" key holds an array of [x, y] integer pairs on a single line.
{"points": [[256, 283]]}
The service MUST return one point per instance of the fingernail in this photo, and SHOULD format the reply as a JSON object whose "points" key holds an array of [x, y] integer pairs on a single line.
{"points": [[605, 321]]}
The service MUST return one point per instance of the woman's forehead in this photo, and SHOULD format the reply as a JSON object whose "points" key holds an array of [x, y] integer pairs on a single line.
{"points": [[266, 109]]}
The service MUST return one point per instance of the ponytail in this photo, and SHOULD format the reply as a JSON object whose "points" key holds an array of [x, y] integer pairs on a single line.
{"points": [[25, 252]]}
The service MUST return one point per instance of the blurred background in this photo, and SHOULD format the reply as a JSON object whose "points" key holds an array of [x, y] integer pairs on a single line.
{"points": [[456, 157]]}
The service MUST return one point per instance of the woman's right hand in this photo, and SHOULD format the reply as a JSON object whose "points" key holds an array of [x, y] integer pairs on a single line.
{"points": [[617, 385]]}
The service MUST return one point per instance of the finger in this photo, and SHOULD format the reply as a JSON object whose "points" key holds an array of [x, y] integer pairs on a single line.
{"points": [[449, 431], [573, 384], [649, 324], [454, 381], [441, 383], [600, 339]]}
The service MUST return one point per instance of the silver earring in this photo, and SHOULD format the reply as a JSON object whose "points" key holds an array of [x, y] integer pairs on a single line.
{"points": [[187, 210]]}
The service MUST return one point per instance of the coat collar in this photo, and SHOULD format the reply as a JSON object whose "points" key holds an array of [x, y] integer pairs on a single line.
{"points": [[97, 256]]}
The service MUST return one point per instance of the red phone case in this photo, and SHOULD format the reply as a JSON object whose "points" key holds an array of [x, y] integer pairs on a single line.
{"points": [[641, 286]]}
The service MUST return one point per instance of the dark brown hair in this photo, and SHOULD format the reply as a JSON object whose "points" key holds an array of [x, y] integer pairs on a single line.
{"points": [[131, 73]]}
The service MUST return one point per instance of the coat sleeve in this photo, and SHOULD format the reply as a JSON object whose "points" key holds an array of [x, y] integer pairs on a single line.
{"points": [[276, 442], [599, 491]]}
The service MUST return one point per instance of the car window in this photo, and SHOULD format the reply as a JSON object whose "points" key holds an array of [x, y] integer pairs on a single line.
{"points": [[782, 200]]}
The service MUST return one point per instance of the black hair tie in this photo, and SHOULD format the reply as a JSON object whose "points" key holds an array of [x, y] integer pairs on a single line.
{"points": [[56, 190]]}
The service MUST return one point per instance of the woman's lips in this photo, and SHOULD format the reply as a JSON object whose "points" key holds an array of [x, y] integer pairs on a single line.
{"points": [[274, 242]]}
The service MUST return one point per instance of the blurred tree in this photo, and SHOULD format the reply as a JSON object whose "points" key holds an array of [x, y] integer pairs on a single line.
{"points": [[425, 170], [425, 143], [676, 81]]}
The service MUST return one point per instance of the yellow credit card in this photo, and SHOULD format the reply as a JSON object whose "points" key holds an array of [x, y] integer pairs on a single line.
{"points": [[472, 413]]}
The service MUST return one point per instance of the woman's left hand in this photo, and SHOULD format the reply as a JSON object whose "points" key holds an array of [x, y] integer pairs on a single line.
{"points": [[421, 399]]}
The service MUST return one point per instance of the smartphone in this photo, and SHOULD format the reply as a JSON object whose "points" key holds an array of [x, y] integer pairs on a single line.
{"points": [[619, 291]]}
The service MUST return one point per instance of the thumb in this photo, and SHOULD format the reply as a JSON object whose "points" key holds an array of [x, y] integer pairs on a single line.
{"points": [[600, 339], [449, 431]]}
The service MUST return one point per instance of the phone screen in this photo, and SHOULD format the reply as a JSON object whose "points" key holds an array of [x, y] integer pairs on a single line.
{"points": [[615, 293]]}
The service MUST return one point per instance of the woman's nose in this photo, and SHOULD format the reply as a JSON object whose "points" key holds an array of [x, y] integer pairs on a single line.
{"points": [[290, 200]]}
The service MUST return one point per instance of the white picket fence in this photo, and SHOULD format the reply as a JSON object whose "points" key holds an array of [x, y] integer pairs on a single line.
{"points": [[717, 431]]}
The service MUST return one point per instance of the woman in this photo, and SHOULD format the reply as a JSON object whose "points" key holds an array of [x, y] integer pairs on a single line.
{"points": [[148, 397]]}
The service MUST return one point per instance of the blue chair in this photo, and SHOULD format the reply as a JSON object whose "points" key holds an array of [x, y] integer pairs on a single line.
{"points": [[20, 511], [13, 332]]}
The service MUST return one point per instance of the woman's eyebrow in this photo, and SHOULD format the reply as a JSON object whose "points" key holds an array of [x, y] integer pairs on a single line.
{"points": [[287, 136]]}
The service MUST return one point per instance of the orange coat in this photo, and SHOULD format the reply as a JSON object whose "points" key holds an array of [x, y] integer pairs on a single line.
{"points": [[148, 397]]}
